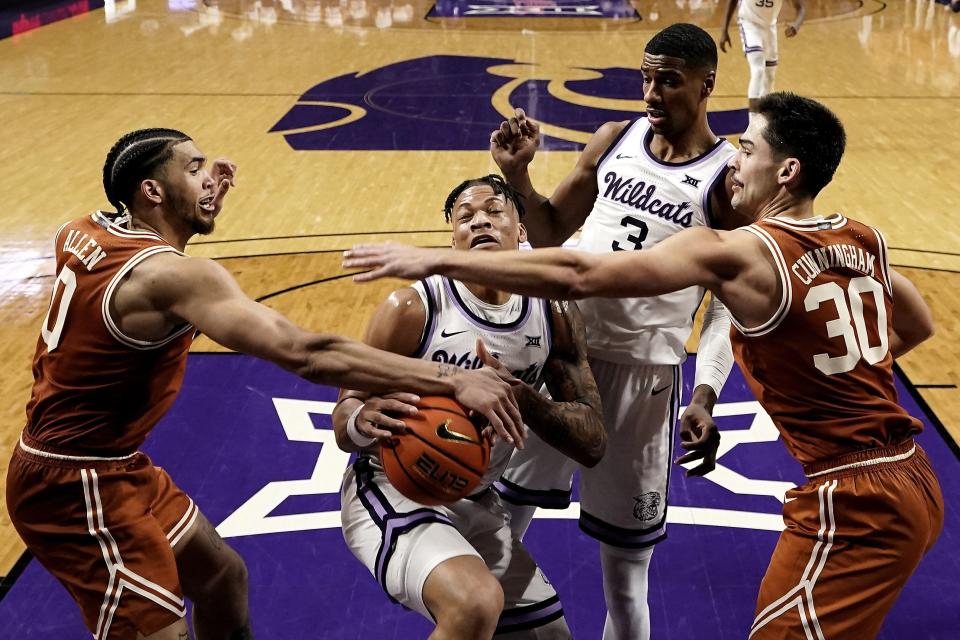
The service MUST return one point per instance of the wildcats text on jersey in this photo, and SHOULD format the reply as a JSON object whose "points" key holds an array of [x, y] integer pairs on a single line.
{"points": [[640, 195]]}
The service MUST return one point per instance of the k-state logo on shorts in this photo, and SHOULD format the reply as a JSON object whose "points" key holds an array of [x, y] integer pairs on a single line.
{"points": [[647, 505], [454, 102]]}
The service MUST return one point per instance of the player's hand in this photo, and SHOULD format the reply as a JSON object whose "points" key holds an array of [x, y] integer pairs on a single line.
{"points": [[389, 259], [483, 392], [699, 435], [791, 30], [725, 40], [514, 144], [491, 362], [380, 416], [224, 174]]}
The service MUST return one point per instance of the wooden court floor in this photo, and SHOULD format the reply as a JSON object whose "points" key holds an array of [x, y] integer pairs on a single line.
{"points": [[228, 73]]}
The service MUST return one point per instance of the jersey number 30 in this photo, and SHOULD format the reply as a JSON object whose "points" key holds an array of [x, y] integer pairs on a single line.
{"points": [[68, 279], [850, 324]]}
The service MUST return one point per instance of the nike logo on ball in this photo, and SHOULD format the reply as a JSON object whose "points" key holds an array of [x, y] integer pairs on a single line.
{"points": [[444, 432]]}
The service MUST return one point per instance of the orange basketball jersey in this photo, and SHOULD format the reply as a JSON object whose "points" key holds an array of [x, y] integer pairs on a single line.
{"points": [[821, 366], [97, 391]]}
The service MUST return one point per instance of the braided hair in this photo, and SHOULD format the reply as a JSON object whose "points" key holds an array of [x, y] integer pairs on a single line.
{"points": [[499, 186], [135, 157]]}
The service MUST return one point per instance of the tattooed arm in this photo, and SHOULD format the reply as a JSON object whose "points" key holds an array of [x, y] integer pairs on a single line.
{"points": [[573, 421]]}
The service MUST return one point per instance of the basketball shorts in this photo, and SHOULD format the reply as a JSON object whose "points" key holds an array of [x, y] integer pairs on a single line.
{"points": [[401, 541], [854, 535], [106, 529], [760, 37], [623, 499]]}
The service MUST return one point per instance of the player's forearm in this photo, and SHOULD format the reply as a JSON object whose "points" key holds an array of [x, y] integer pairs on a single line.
{"points": [[801, 8], [544, 273], [573, 428], [338, 361], [903, 341], [731, 5], [540, 218], [705, 396]]}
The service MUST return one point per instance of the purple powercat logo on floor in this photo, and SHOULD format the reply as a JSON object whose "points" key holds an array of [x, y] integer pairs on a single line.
{"points": [[253, 446], [452, 103]]}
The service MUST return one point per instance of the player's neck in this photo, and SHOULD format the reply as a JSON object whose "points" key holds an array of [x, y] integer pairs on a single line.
{"points": [[488, 295], [786, 205], [156, 222], [685, 145]]}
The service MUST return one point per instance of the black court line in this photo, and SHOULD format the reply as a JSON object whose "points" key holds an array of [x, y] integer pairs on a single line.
{"points": [[935, 386], [6, 582], [931, 416]]}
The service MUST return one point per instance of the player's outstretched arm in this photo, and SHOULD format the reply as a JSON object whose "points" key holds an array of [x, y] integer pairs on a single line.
{"points": [[912, 319], [550, 221], [572, 422], [692, 257], [203, 293]]}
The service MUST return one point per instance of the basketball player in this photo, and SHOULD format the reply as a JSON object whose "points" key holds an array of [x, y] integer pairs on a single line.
{"points": [[819, 317], [758, 35], [635, 184], [114, 529], [462, 576]]}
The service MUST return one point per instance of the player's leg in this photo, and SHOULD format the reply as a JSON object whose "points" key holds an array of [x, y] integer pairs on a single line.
{"points": [[177, 631], [625, 574], [752, 38], [771, 55], [464, 598], [851, 543], [538, 476], [624, 498], [418, 555], [531, 606], [214, 578], [90, 525]]}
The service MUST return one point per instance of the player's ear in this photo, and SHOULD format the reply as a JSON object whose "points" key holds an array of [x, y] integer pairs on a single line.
{"points": [[152, 191], [709, 82], [789, 172], [522, 237]]}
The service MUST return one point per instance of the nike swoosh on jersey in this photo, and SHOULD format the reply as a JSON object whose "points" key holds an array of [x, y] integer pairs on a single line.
{"points": [[444, 432], [444, 334], [659, 391]]}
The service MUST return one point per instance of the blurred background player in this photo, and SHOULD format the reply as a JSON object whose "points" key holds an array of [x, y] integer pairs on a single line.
{"points": [[757, 20], [819, 317], [460, 564], [115, 530], [635, 184]]}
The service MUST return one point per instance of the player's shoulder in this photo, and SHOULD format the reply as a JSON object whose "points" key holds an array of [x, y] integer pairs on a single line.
{"points": [[403, 307]]}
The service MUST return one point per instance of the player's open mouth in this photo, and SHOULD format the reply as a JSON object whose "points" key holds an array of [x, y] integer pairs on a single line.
{"points": [[206, 203], [484, 239], [656, 114]]}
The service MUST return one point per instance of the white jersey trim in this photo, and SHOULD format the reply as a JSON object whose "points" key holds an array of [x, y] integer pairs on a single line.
{"points": [[786, 296], [866, 463], [60, 456], [679, 166], [884, 260], [112, 227], [111, 289], [836, 221]]}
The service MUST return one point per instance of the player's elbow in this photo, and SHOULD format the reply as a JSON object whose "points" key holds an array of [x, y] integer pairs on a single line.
{"points": [[317, 359]]}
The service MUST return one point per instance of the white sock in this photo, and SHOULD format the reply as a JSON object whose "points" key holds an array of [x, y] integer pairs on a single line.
{"points": [[769, 79], [625, 590]]}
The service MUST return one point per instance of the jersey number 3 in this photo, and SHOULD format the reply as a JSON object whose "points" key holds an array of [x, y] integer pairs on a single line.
{"points": [[68, 279], [637, 239], [850, 324]]}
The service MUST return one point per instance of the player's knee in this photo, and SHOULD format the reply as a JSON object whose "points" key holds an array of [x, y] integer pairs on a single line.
{"points": [[230, 578], [475, 606]]}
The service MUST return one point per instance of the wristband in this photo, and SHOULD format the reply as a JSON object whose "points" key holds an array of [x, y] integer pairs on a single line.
{"points": [[354, 434]]}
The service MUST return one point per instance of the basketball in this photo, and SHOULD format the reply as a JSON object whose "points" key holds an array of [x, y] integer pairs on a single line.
{"points": [[441, 458]]}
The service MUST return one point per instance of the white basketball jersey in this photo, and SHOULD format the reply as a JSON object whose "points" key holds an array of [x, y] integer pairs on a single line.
{"points": [[642, 201], [517, 332], [763, 12]]}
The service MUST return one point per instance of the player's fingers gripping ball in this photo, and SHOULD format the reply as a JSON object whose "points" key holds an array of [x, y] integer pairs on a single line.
{"points": [[442, 456]]}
